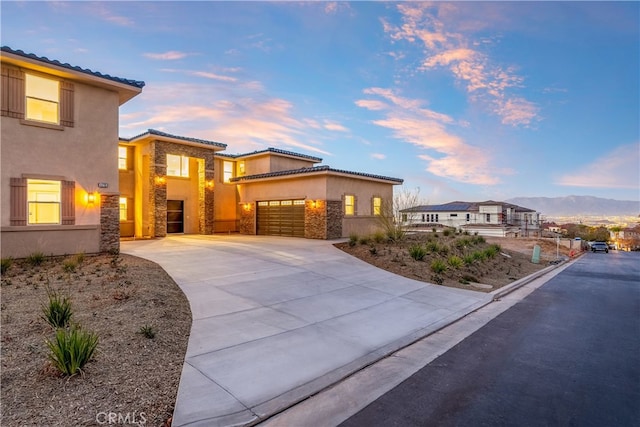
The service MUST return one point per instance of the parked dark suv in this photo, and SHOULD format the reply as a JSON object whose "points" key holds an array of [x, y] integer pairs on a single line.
{"points": [[599, 246]]}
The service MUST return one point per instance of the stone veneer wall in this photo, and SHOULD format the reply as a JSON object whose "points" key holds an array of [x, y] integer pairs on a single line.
{"points": [[334, 219], [248, 220], [109, 223], [315, 219], [158, 196]]}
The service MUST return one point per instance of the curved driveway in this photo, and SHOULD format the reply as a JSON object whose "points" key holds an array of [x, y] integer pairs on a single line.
{"points": [[276, 319]]}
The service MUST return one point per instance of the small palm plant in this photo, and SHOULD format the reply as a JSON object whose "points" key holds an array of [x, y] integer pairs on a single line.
{"points": [[57, 312], [71, 349]]}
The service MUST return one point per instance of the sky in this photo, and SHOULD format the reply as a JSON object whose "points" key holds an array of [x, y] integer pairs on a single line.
{"points": [[463, 100]]}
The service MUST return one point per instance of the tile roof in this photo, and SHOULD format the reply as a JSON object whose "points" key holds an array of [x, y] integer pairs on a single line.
{"points": [[459, 206], [314, 169], [183, 138], [135, 83], [275, 151]]}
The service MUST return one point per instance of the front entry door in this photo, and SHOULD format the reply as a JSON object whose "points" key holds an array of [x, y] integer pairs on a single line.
{"points": [[175, 216]]}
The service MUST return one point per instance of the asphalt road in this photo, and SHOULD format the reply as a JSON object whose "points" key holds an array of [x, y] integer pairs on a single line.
{"points": [[567, 355]]}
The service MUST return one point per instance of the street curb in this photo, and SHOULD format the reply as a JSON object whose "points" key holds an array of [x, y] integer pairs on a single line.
{"points": [[505, 290]]}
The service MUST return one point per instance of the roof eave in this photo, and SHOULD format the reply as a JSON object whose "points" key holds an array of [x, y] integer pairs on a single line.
{"points": [[125, 91], [149, 137]]}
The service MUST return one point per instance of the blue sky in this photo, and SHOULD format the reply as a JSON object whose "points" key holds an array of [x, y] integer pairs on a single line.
{"points": [[463, 100]]}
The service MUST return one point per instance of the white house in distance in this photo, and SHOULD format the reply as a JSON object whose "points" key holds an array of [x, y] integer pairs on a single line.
{"points": [[488, 218]]}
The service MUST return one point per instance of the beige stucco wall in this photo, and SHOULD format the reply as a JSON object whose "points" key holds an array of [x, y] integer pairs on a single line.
{"points": [[225, 208], [86, 153], [186, 189]]}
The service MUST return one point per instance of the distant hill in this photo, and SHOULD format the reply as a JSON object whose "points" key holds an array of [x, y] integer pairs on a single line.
{"points": [[578, 205]]}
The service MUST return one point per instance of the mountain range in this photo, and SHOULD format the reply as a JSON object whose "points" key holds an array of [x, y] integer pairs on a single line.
{"points": [[578, 206]]}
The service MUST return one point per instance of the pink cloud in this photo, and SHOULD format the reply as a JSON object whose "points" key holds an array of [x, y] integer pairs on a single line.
{"points": [[334, 126], [170, 55]]}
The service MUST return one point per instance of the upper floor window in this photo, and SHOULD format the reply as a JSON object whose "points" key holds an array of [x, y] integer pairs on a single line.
{"points": [[122, 158], [488, 216], [42, 99], [177, 166], [43, 200], [227, 171], [377, 206], [349, 204], [241, 169]]}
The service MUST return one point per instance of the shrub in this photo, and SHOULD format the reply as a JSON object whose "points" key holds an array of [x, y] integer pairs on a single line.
{"points": [[446, 232], [353, 239], [462, 243], [57, 312], [373, 250], [443, 250], [438, 266], [479, 256], [468, 259], [417, 252], [71, 349], [364, 240], [379, 237], [69, 265], [6, 265], [492, 251], [455, 261], [147, 331], [433, 247], [478, 239], [35, 259]]}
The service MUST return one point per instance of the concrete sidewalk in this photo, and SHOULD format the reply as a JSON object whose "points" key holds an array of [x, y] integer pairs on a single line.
{"points": [[276, 320]]}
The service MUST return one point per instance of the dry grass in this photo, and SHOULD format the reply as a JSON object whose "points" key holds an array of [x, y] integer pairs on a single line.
{"points": [[113, 296]]}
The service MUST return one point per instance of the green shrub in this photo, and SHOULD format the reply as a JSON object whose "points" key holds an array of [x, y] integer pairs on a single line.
{"points": [[35, 259], [455, 261], [443, 250], [462, 243], [71, 349], [479, 256], [379, 237], [364, 240], [432, 247], [353, 239], [438, 266], [6, 265], [468, 259], [417, 252], [446, 232], [147, 331], [478, 239], [57, 312], [69, 265], [492, 251]]}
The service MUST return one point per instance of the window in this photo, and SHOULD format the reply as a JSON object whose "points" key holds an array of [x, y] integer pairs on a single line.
{"points": [[468, 217], [42, 99], [227, 171], [177, 166], [349, 204], [488, 217], [453, 215], [377, 206], [123, 208], [122, 158], [241, 169], [423, 218], [43, 200]]}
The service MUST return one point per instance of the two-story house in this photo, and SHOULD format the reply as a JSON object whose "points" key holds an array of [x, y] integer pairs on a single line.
{"points": [[175, 184], [59, 156], [488, 218]]}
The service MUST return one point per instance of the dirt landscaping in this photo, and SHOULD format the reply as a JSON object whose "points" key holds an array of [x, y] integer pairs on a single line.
{"points": [[131, 376], [136, 378], [479, 273]]}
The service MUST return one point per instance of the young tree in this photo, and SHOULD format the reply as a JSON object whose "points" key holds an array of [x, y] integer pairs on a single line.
{"points": [[392, 219]]}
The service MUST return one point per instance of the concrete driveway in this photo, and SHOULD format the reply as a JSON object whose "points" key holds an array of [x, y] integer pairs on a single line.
{"points": [[277, 319]]}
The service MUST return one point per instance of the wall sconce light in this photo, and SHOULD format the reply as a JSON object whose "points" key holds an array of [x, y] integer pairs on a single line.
{"points": [[160, 179], [247, 206], [210, 184], [91, 198], [314, 204]]}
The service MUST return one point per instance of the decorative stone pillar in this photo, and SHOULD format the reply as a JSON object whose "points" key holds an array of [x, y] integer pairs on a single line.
{"points": [[334, 219], [248, 219], [209, 195], [110, 223], [315, 219]]}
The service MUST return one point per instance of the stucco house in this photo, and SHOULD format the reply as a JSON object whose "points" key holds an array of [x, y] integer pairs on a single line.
{"points": [[59, 156], [489, 218], [175, 184]]}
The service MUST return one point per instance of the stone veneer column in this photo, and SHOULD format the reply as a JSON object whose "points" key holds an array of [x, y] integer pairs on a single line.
{"points": [[209, 195], [110, 223], [315, 219], [334, 219], [248, 219]]}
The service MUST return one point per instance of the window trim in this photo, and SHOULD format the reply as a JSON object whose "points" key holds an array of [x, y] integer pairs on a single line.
{"points": [[373, 206], [34, 96], [182, 166], [351, 197], [228, 175]]}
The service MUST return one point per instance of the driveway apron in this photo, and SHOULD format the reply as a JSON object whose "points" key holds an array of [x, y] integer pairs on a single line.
{"points": [[278, 319]]}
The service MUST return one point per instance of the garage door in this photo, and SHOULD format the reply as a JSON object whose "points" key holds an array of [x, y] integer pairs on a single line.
{"points": [[281, 218]]}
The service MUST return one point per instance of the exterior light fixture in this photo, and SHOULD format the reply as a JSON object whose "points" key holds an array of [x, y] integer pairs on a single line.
{"points": [[160, 179], [314, 204], [210, 184], [247, 206], [91, 198]]}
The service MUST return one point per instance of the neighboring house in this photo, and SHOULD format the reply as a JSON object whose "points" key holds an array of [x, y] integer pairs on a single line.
{"points": [[175, 184], [59, 156], [626, 239], [488, 218]]}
